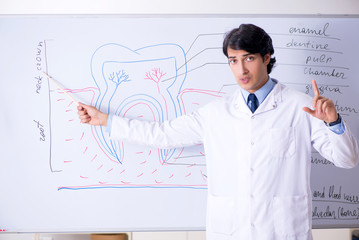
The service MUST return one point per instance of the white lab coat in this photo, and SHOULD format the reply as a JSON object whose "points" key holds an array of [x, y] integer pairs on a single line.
{"points": [[258, 165]]}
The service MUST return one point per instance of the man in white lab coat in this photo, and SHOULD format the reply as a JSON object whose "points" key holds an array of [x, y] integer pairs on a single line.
{"points": [[258, 147]]}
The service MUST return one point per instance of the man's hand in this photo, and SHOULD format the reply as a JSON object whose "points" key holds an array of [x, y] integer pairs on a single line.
{"points": [[324, 108], [91, 115]]}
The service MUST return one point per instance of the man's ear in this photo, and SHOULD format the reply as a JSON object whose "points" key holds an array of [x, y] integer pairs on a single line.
{"points": [[266, 59]]}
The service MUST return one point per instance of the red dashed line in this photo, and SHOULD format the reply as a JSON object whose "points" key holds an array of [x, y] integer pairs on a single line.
{"points": [[125, 182], [123, 171], [70, 139], [68, 110], [140, 175], [171, 176], [71, 120], [139, 152], [154, 171], [85, 150], [189, 174], [191, 165], [150, 153], [94, 158], [157, 181], [110, 170], [67, 161], [83, 133], [100, 167], [61, 99], [143, 162], [202, 153], [83, 177]]}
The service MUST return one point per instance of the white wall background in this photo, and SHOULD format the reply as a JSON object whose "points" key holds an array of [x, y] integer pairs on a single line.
{"points": [[332, 7], [179, 7]]}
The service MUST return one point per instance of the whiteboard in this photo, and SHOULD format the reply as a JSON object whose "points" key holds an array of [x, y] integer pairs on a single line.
{"points": [[58, 175]]}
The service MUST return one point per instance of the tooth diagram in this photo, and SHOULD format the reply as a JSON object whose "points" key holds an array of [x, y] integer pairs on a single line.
{"points": [[126, 90], [155, 83]]}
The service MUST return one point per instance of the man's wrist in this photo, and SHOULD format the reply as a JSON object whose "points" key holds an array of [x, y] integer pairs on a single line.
{"points": [[339, 120], [104, 120]]}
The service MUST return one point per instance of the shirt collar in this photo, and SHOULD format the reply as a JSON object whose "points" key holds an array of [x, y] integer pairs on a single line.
{"points": [[261, 93]]}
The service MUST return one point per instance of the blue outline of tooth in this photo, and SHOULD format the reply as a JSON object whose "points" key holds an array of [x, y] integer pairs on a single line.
{"points": [[114, 53]]}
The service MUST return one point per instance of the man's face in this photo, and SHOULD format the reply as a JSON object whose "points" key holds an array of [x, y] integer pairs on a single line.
{"points": [[249, 70]]}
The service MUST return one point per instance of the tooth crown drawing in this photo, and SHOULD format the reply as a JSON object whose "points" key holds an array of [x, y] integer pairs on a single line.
{"points": [[126, 90]]}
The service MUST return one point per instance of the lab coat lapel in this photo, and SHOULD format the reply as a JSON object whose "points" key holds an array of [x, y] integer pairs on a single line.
{"points": [[272, 100], [270, 103]]}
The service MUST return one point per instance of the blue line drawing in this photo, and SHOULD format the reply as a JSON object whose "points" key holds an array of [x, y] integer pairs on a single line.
{"points": [[116, 71]]}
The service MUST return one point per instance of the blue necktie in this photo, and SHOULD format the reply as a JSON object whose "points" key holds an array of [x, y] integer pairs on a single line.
{"points": [[252, 102]]}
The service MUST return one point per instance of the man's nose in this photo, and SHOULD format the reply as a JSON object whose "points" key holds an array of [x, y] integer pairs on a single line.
{"points": [[242, 68]]}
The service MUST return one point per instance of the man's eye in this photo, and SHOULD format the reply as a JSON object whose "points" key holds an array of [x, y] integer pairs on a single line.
{"points": [[232, 61], [249, 58]]}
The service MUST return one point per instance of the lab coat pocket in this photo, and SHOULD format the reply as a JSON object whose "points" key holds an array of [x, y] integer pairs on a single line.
{"points": [[220, 215], [291, 215], [282, 142]]}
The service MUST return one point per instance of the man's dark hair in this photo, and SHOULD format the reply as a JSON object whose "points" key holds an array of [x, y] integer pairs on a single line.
{"points": [[250, 38]]}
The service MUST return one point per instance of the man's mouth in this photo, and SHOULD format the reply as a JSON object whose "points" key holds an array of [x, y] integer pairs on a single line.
{"points": [[245, 80]]}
